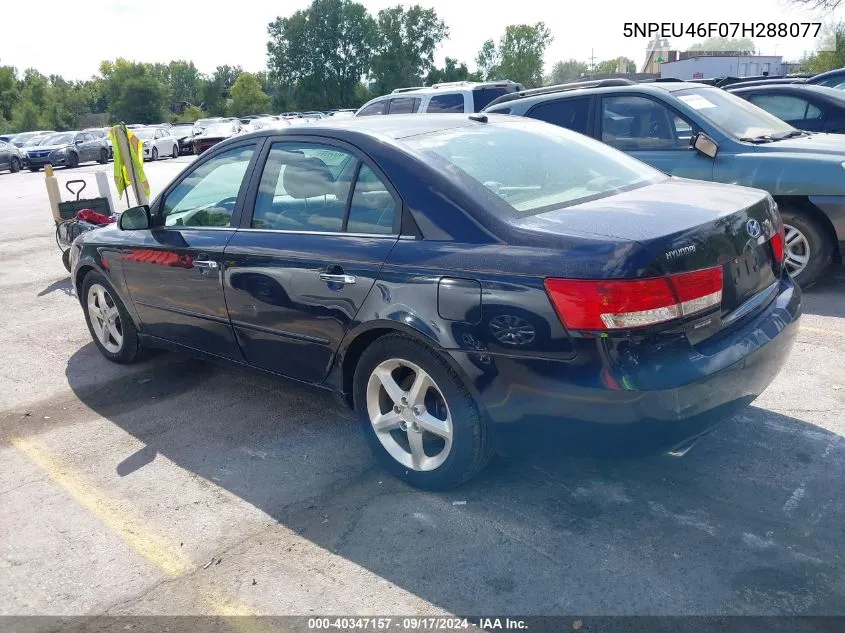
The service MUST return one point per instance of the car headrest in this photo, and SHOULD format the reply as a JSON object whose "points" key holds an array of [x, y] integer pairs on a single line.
{"points": [[308, 178]]}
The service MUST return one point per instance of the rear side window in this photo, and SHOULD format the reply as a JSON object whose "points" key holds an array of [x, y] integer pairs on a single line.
{"points": [[404, 105], [569, 113], [379, 107], [481, 97], [373, 208], [446, 103]]}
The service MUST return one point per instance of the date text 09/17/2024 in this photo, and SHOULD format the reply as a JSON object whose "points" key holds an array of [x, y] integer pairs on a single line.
{"points": [[721, 29], [415, 623]]}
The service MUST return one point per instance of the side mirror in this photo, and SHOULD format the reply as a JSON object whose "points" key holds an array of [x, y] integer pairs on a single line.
{"points": [[78, 141], [705, 145], [135, 219]]}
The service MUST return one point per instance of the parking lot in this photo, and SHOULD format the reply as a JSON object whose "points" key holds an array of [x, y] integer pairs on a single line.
{"points": [[177, 487]]}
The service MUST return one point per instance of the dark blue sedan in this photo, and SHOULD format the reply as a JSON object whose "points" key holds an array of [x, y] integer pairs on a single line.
{"points": [[460, 280]]}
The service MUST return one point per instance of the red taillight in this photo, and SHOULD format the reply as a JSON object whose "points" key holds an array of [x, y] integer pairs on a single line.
{"points": [[778, 244], [612, 304]]}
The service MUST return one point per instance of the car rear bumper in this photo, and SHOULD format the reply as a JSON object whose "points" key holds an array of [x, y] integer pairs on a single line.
{"points": [[703, 384]]}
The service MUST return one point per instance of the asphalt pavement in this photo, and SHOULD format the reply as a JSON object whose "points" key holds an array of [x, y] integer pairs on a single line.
{"points": [[177, 487]]}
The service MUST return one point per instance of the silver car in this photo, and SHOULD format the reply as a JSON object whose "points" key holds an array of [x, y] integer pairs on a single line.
{"points": [[10, 157]]}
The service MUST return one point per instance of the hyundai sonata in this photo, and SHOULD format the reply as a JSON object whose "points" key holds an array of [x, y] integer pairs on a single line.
{"points": [[458, 280]]}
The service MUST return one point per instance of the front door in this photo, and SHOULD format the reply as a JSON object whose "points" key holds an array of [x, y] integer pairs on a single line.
{"points": [[322, 223], [654, 133], [174, 272]]}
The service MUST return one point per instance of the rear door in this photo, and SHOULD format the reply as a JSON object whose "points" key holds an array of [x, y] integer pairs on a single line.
{"points": [[654, 132], [174, 271], [319, 223], [404, 105]]}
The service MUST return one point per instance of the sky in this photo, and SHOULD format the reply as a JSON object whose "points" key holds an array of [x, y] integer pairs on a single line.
{"points": [[70, 39]]}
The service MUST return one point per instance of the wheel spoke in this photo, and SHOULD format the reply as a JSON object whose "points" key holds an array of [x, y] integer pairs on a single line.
{"points": [[111, 313], [422, 383], [394, 391], [114, 332], [440, 428], [797, 259], [415, 442], [104, 332], [387, 421]]}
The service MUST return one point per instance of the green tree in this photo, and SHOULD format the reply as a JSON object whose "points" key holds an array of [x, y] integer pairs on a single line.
{"points": [[9, 91], [724, 44], [519, 56], [487, 61], [191, 114], [406, 41], [184, 81], [247, 96], [830, 53], [563, 72], [451, 71], [134, 94]]}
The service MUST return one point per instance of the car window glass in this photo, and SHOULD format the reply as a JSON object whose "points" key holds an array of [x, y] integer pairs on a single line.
{"points": [[373, 207], [446, 103], [786, 107], [374, 108], [637, 123], [404, 105], [206, 197], [299, 191], [569, 113]]}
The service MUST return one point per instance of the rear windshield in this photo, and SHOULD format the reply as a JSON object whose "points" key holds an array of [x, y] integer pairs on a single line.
{"points": [[481, 97], [533, 166]]}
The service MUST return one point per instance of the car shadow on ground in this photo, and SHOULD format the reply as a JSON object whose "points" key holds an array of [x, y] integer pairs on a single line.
{"points": [[62, 285], [749, 522]]}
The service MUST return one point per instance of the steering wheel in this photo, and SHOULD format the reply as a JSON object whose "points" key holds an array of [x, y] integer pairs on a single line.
{"points": [[228, 203]]}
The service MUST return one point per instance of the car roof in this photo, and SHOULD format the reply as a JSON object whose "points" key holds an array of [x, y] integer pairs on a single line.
{"points": [[830, 73], [823, 91], [562, 91], [391, 128]]}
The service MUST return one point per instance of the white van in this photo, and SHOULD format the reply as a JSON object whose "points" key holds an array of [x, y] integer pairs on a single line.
{"points": [[457, 96]]}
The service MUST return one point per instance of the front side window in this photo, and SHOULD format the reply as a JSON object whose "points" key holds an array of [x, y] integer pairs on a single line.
{"points": [[533, 166], [306, 187], [787, 107], [638, 123], [569, 113], [379, 107], [207, 196], [446, 103]]}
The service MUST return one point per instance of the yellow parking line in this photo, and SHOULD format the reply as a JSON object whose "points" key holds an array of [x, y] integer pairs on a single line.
{"points": [[821, 330], [117, 517], [131, 527]]}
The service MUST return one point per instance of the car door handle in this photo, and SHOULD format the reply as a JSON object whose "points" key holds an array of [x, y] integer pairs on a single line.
{"points": [[205, 263], [338, 279]]}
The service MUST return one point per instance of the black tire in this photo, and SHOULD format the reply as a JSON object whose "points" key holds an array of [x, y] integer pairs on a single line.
{"points": [[15, 165], [104, 156], [820, 243], [34, 168], [154, 155], [471, 448], [175, 153], [66, 259], [72, 160], [130, 347]]}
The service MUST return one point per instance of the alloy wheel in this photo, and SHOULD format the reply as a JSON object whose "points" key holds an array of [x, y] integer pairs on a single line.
{"points": [[409, 415], [797, 250], [105, 318]]}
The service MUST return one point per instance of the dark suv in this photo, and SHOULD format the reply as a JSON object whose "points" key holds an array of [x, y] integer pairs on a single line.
{"points": [[702, 132]]}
